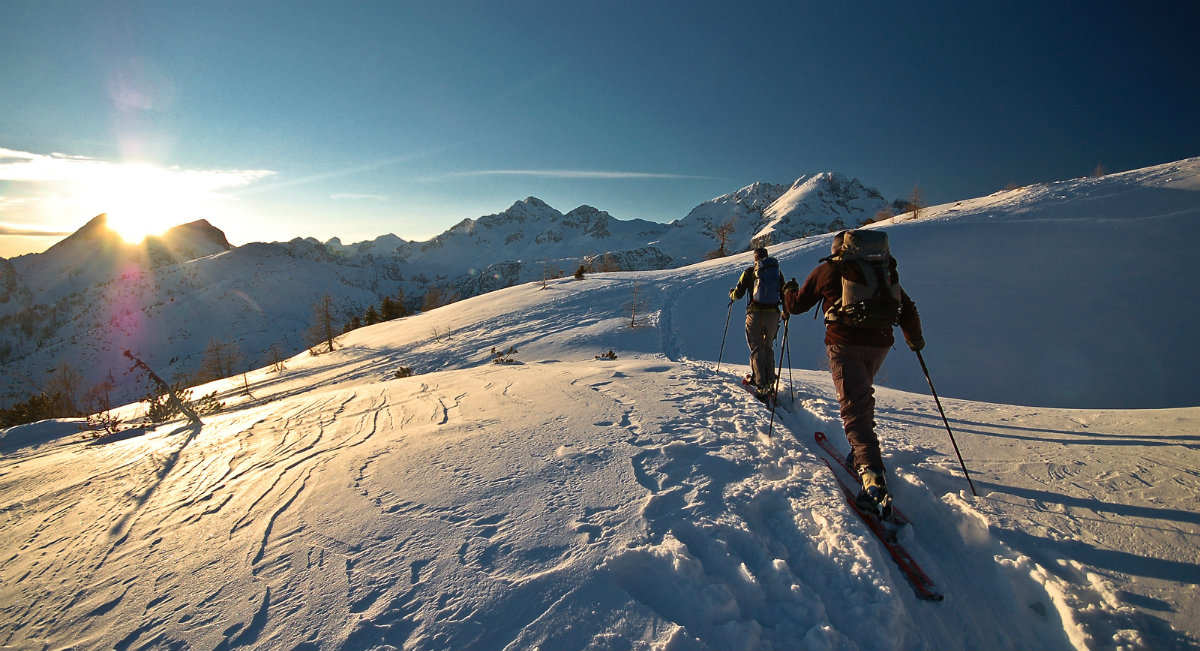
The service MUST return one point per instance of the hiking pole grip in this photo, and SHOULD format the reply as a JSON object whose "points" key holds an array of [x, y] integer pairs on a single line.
{"points": [[925, 369]]}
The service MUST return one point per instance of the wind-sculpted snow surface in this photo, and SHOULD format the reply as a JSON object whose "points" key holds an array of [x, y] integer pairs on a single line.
{"points": [[565, 499], [551, 505]]}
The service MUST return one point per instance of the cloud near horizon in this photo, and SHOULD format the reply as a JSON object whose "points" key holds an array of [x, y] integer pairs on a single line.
{"points": [[46, 189], [25, 167], [21, 230], [579, 174]]}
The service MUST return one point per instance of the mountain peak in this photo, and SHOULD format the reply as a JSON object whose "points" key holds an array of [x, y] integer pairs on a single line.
{"points": [[95, 231], [199, 234], [95, 225], [527, 208], [769, 213]]}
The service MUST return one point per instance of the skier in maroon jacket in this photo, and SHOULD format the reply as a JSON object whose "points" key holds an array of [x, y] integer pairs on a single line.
{"points": [[855, 356]]}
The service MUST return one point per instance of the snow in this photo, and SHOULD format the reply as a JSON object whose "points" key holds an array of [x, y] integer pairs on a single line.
{"points": [[89, 297], [568, 501]]}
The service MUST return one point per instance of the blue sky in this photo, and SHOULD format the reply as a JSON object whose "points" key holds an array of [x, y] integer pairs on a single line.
{"points": [[354, 119]]}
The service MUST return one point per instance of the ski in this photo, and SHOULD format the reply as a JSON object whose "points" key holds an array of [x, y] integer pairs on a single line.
{"points": [[884, 530], [748, 385], [898, 519]]}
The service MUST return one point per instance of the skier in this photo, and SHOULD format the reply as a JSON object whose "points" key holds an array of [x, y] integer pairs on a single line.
{"points": [[856, 353], [764, 283]]}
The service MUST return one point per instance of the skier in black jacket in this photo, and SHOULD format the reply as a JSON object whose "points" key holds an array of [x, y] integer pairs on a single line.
{"points": [[764, 284]]}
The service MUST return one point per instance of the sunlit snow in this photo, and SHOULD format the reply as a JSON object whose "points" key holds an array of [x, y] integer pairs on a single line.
{"points": [[567, 501]]}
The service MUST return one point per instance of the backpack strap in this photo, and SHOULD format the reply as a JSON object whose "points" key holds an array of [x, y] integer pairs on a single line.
{"points": [[834, 261]]}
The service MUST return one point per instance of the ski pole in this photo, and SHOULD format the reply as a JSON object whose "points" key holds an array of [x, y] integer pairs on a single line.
{"points": [[721, 354], [928, 379], [775, 399], [791, 380]]}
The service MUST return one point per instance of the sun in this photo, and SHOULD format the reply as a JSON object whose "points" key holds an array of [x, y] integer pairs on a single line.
{"points": [[134, 224], [142, 200]]}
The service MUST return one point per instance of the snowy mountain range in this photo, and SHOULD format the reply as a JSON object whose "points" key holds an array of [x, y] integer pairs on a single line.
{"points": [[91, 296], [571, 499]]}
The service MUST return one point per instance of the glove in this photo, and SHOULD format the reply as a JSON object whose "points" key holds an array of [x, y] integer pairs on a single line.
{"points": [[733, 294], [915, 345], [791, 286]]}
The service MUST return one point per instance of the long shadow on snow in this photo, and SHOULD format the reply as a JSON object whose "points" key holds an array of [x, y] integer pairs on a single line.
{"points": [[1047, 553], [123, 435], [160, 474], [931, 420], [1128, 510]]}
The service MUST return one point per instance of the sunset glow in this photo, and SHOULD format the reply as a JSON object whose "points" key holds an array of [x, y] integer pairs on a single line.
{"points": [[141, 200]]}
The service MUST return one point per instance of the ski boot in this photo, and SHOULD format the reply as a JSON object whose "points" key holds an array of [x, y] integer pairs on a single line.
{"points": [[874, 496], [764, 392], [766, 395]]}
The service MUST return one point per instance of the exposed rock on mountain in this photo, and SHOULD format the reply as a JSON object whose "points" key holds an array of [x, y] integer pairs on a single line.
{"points": [[765, 213]]}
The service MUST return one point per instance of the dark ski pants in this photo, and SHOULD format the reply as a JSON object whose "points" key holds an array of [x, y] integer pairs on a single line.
{"points": [[761, 328], [854, 368]]}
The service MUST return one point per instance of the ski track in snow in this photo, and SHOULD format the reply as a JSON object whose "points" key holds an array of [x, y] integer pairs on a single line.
{"points": [[730, 540], [750, 529]]}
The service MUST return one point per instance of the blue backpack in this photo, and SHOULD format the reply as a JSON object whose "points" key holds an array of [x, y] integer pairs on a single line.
{"points": [[768, 283]]}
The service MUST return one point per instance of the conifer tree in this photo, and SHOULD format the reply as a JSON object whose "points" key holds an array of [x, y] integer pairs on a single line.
{"points": [[371, 316], [722, 234], [221, 359], [389, 309], [322, 335], [916, 202], [433, 298], [64, 385]]}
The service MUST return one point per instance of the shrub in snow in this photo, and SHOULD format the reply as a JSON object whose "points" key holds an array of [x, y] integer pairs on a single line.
{"points": [[504, 356], [160, 408]]}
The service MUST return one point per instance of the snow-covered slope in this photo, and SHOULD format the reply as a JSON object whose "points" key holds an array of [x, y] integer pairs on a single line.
{"points": [[1084, 285], [569, 501], [91, 295], [94, 255]]}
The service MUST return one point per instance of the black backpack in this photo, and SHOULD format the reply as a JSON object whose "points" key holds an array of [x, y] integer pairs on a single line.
{"points": [[870, 286]]}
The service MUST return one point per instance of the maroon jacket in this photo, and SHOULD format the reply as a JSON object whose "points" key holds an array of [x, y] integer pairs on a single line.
{"points": [[824, 286]]}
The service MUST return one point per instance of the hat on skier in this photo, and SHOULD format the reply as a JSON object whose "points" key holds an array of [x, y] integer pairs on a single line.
{"points": [[838, 239]]}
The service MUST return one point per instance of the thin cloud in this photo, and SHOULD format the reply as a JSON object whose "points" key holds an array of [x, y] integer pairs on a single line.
{"points": [[358, 197], [350, 170], [578, 174], [21, 230], [528, 85], [25, 167]]}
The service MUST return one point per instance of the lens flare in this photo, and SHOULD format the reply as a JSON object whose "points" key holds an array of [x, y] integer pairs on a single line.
{"points": [[140, 200]]}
